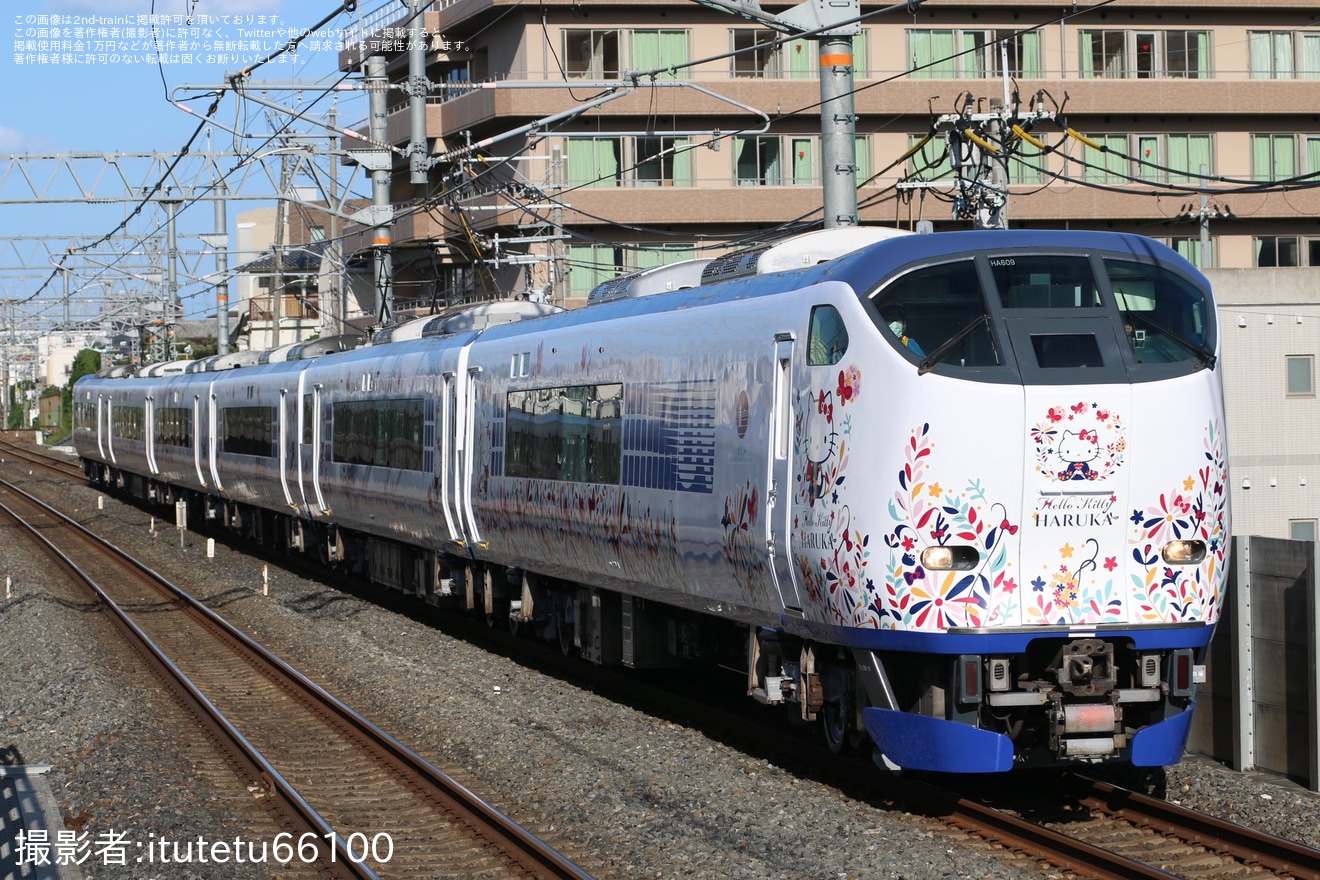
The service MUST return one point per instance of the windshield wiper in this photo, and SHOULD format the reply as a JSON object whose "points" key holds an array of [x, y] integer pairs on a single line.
{"points": [[1206, 356], [929, 361]]}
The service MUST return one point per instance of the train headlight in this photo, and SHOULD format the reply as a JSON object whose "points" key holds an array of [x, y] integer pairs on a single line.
{"points": [[1183, 552], [950, 558]]}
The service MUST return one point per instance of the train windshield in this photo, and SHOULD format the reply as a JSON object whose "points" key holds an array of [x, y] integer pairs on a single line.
{"points": [[1053, 311], [1165, 317]]}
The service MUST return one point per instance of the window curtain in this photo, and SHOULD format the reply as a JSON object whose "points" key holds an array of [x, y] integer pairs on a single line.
{"points": [[861, 57], [1148, 153], [1086, 55], [800, 59], [674, 50], [1283, 55], [804, 161], [1313, 155], [933, 48], [589, 265], [645, 50], [1031, 64], [1259, 57], [1187, 153], [862, 157], [682, 162], [1310, 56], [593, 161], [1200, 39]]}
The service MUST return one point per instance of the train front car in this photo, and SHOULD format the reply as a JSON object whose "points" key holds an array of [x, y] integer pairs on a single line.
{"points": [[1017, 496]]}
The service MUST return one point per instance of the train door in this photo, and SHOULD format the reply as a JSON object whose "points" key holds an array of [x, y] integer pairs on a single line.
{"points": [[779, 498], [102, 426], [448, 408], [286, 435], [110, 430], [465, 379], [213, 439], [309, 430], [197, 439], [149, 433]]}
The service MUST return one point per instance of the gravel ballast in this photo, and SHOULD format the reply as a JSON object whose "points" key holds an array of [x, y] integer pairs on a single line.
{"points": [[628, 794]]}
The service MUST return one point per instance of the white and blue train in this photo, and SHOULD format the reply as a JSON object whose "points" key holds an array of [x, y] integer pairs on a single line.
{"points": [[964, 493]]}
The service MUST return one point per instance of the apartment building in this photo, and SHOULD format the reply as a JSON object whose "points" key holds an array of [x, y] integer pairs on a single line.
{"points": [[697, 131], [615, 134]]}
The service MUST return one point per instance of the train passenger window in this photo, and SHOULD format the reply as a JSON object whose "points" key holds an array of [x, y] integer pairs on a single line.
{"points": [[828, 338], [1166, 318], [571, 433], [1045, 281], [944, 312], [248, 430]]}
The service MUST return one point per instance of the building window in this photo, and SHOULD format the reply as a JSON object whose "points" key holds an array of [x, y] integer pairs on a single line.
{"points": [[595, 161], [930, 54], [1109, 164], [662, 161], [316, 233], [662, 254], [1270, 54], [1301, 529], [862, 55], [984, 54], [1301, 375], [757, 56], [592, 54], [1285, 250], [1187, 54], [1104, 54], [592, 264], [931, 161], [1273, 156], [655, 50], [1189, 247], [757, 161], [862, 158], [1173, 158]]}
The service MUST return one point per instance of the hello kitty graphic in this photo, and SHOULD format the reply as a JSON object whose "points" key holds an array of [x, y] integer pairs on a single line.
{"points": [[1079, 449], [1087, 439]]}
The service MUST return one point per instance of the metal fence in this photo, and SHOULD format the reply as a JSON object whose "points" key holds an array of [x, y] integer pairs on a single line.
{"points": [[1259, 707]]}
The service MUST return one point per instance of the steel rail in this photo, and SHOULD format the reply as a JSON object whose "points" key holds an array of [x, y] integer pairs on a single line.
{"points": [[550, 862]]}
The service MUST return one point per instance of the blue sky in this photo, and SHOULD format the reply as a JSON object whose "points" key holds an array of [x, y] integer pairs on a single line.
{"points": [[106, 104]]}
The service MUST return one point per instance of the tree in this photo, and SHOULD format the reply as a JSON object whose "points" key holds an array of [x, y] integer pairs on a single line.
{"points": [[85, 363]]}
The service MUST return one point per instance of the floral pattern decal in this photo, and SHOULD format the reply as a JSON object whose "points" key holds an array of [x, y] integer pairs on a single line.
{"points": [[929, 515], [834, 572], [1077, 592], [550, 519], [742, 549], [1195, 509]]}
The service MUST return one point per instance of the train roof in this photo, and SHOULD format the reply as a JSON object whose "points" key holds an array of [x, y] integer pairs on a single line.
{"points": [[859, 257]]}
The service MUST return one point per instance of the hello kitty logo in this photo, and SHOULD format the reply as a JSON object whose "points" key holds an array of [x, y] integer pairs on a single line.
{"points": [[1082, 442]]}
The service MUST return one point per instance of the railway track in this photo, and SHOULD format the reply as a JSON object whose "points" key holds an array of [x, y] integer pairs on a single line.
{"points": [[16, 451], [357, 802], [1095, 829]]}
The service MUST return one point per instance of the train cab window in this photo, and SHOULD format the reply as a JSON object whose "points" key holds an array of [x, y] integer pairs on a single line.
{"points": [[1166, 318], [1045, 281], [943, 312], [828, 338]]}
